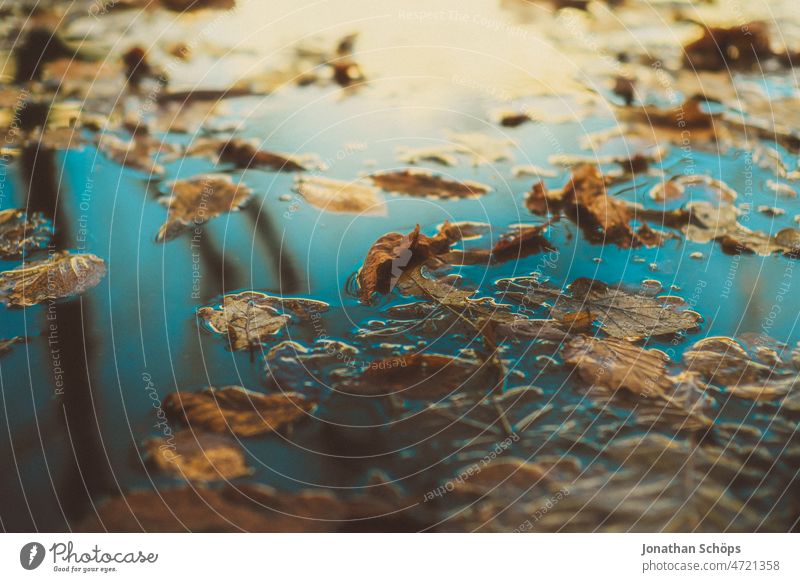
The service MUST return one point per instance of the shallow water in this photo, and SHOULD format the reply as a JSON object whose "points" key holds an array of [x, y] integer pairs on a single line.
{"points": [[429, 73]]}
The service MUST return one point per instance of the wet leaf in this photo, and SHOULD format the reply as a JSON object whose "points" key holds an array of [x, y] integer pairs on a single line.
{"points": [[61, 275], [251, 318], [245, 154], [21, 232], [7, 344], [199, 199], [138, 153], [423, 183], [419, 376], [483, 149], [442, 155], [618, 313], [234, 409], [339, 196], [197, 456], [393, 253]]}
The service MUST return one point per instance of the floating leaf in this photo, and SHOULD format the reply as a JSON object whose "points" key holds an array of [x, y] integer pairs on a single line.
{"points": [[483, 148], [234, 409], [245, 154], [604, 218], [442, 155], [60, 275], [727, 48], [619, 313], [199, 199], [20, 232], [6, 344], [197, 456], [137, 153], [423, 183], [251, 318], [338, 196]]}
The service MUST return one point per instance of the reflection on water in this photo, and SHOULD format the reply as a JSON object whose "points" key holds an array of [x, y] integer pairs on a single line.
{"points": [[429, 73]]}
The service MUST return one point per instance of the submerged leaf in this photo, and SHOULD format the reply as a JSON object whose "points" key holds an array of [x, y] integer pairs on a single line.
{"points": [[234, 409], [197, 456], [60, 275], [20, 232], [619, 313], [251, 318], [421, 376], [199, 199]]}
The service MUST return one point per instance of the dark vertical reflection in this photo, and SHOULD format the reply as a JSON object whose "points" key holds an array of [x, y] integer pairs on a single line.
{"points": [[218, 274], [68, 328], [282, 263]]}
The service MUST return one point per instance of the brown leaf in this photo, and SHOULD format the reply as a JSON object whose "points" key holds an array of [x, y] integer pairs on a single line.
{"points": [[137, 153], [339, 196], [393, 253], [251, 318], [618, 365], [6, 344], [60, 275], [197, 456], [619, 313], [21, 232], [199, 199], [421, 376], [423, 183], [727, 48], [234, 409], [245, 154], [603, 218]]}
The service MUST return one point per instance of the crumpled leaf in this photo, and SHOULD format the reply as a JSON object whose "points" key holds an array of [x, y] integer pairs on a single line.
{"points": [[339, 196], [423, 183], [234, 409], [618, 313], [199, 199], [675, 187], [420, 376], [392, 253], [251, 318], [61, 275], [246, 154], [604, 218], [21, 232], [197, 456]]}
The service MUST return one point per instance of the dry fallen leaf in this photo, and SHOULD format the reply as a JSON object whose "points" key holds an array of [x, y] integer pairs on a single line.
{"points": [[20, 232], [197, 456], [234, 409], [423, 183], [199, 199], [618, 313], [251, 318], [339, 196], [60, 275]]}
